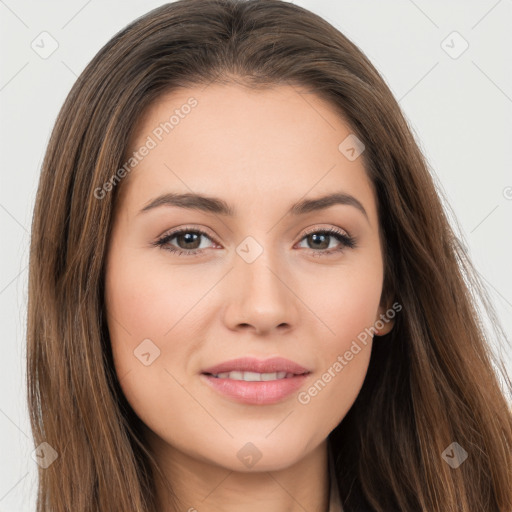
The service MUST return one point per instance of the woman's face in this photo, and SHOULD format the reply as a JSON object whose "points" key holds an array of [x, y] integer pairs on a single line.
{"points": [[263, 281]]}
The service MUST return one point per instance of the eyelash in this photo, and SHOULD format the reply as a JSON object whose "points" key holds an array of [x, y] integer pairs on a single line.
{"points": [[346, 241]]}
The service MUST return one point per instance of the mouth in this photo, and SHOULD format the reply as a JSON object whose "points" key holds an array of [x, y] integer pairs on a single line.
{"points": [[253, 376], [256, 382]]}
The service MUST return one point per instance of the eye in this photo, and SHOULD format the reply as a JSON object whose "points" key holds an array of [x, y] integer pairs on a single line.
{"points": [[189, 238], [189, 241], [321, 240]]}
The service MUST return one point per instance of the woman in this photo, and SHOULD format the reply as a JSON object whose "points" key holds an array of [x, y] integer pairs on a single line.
{"points": [[247, 294]]}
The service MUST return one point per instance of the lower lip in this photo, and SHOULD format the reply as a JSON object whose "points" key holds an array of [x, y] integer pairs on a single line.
{"points": [[256, 392]]}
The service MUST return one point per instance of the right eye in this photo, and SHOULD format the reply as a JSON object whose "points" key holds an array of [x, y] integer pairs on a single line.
{"points": [[188, 236]]}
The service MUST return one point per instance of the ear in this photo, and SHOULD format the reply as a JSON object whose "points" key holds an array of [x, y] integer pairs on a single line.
{"points": [[385, 319]]}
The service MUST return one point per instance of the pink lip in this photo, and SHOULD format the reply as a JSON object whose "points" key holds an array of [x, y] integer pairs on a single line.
{"points": [[251, 364], [257, 392]]}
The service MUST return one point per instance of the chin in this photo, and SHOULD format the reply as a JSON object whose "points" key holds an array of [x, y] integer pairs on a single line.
{"points": [[260, 453]]}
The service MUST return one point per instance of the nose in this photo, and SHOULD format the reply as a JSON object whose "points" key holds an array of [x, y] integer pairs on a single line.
{"points": [[261, 297]]}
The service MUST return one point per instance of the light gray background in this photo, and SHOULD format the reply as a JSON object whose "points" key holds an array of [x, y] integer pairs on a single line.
{"points": [[459, 108]]}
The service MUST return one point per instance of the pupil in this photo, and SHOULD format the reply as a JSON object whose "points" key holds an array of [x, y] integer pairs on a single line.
{"points": [[316, 236], [189, 238]]}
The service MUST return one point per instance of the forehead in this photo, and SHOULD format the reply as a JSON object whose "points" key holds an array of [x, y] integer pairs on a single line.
{"points": [[275, 144]]}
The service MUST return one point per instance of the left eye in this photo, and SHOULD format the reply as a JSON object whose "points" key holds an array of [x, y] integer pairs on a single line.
{"points": [[320, 237], [191, 239]]}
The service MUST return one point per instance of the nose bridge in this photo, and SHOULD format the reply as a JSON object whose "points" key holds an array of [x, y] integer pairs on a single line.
{"points": [[261, 297], [257, 266]]}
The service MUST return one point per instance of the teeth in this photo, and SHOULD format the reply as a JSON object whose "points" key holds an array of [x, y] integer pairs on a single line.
{"points": [[253, 376]]}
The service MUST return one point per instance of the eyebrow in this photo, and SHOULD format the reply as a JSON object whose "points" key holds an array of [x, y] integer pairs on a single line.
{"points": [[219, 206]]}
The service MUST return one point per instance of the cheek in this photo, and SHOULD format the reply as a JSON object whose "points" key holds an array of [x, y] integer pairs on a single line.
{"points": [[346, 302], [148, 300], [347, 307], [145, 312]]}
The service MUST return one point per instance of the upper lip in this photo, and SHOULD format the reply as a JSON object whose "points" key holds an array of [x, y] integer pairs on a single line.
{"points": [[251, 364]]}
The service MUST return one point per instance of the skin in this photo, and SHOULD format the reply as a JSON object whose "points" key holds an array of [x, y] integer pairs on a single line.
{"points": [[260, 151]]}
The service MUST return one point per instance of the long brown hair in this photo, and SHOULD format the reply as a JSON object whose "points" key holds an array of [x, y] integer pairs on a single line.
{"points": [[433, 380]]}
